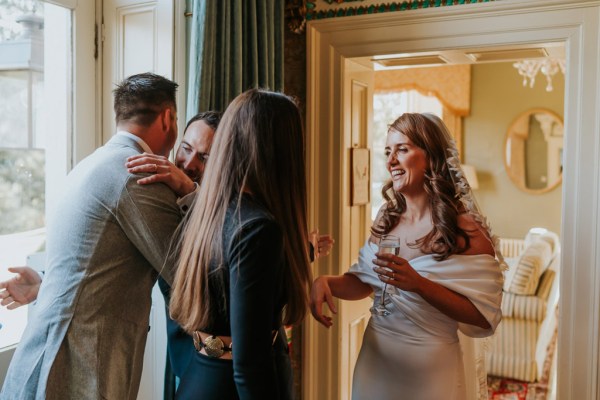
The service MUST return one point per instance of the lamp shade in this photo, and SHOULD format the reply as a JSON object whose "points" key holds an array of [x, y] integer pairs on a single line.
{"points": [[470, 175]]}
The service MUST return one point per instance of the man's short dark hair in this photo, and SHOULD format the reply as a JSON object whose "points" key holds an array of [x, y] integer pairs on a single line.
{"points": [[140, 98], [210, 118]]}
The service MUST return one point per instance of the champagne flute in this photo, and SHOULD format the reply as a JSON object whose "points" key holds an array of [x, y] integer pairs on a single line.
{"points": [[388, 244]]}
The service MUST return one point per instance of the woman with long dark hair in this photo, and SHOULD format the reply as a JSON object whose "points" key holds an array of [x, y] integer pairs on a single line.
{"points": [[243, 266]]}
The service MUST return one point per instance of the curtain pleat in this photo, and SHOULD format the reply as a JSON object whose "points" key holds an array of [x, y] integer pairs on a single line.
{"points": [[235, 45], [195, 40]]}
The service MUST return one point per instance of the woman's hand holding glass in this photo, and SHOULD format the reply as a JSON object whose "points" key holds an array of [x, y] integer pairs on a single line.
{"points": [[388, 244], [397, 271]]}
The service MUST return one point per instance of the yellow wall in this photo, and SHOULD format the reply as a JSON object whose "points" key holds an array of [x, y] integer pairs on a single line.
{"points": [[497, 98]]}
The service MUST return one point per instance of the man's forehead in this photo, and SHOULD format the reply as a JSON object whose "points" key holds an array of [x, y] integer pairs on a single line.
{"points": [[199, 133]]}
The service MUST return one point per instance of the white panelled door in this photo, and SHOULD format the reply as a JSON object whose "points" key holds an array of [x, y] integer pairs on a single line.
{"points": [[357, 120], [138, 36]]}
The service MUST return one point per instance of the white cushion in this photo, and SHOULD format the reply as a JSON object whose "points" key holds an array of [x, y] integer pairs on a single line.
{"points": [[535, 234], [532, 263]]}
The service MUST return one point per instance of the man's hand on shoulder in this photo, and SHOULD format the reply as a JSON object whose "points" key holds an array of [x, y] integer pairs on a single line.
{"points": [[162, 170]]}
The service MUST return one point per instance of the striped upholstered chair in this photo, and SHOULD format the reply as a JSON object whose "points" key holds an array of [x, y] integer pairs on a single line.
{"points": [[520, 345]]}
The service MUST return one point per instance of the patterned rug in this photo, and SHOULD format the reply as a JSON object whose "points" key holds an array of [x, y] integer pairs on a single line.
{"points": [[511, 389], [507, 389]]}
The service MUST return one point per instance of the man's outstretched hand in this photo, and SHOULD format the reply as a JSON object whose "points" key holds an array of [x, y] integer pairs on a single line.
{"points": [[21, 289]]}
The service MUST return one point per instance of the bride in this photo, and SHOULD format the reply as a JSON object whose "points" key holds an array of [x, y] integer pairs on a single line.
{"points": [[444, 275]]}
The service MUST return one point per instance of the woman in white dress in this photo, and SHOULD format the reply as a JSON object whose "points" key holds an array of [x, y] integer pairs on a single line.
{"points": [[446, 276]]}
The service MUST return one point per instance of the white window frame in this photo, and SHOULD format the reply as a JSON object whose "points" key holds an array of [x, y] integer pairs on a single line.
{"points": [[83, 122], [86, 135]]}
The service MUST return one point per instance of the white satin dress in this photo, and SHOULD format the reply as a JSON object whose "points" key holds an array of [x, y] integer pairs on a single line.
{"points": [[414, 353]]}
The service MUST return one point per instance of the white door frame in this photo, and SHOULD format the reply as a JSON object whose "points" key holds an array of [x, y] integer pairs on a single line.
{"points": [[500, 23]]}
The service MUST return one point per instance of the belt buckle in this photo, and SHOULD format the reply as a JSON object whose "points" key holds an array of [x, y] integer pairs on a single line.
{"points": [[213, 345]]}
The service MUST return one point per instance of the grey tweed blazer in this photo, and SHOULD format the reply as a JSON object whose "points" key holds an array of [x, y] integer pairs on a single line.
{"points": [[107, 241]]}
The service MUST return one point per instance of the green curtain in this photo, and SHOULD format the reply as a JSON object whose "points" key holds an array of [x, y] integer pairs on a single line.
{"points": [[234, 45]]}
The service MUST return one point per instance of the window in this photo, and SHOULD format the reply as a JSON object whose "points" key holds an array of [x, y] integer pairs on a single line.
{"points": [[35, 133]]}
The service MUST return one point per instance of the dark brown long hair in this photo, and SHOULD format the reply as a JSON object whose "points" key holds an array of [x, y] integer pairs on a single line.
{"points": [[259, 146], [429, 133]]}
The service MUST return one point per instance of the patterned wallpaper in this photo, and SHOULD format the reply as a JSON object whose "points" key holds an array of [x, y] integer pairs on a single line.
{"points": [[300, 11], [294, 67]]}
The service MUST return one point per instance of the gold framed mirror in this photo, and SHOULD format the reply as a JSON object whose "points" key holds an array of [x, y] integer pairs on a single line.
{"points": [[533, 151]]}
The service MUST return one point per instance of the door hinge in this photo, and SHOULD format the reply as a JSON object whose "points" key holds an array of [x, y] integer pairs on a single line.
{"points": [[95, 41], [98, 39]]}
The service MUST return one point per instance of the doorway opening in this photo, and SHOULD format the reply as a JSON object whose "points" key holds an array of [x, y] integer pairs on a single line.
{"points": [[507, 23], [522, 355]]}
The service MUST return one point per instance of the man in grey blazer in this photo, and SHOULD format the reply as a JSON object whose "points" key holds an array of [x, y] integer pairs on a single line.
{"points": [[183, 178], [107, 242]]}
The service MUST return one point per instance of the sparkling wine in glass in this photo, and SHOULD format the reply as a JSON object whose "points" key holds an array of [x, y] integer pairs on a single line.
{"points": [[388, 244]]}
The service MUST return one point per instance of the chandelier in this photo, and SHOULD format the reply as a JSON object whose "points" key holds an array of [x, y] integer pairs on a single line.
{"points": [[528, 69]]}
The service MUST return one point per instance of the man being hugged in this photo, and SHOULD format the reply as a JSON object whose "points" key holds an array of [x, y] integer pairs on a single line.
{"points": [[107, 242]]}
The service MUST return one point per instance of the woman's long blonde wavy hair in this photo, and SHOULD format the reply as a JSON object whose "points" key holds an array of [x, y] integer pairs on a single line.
{"points": [[258, 148]]}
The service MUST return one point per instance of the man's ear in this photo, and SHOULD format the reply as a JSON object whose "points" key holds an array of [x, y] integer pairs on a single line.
{"points": [[166, 116]]}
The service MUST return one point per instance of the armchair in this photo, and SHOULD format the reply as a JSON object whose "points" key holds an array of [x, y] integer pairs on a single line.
{"points": [[519, 347]]}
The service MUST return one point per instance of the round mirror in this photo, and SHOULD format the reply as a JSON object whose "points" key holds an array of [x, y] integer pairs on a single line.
{"points": [[533, 151]]}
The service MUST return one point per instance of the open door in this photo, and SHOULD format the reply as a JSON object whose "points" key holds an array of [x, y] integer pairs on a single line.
{"points": [[329, 356], [357, 97]]}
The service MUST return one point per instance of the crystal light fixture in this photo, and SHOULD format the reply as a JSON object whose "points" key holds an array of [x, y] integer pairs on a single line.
{"points": [[528, 69]]}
